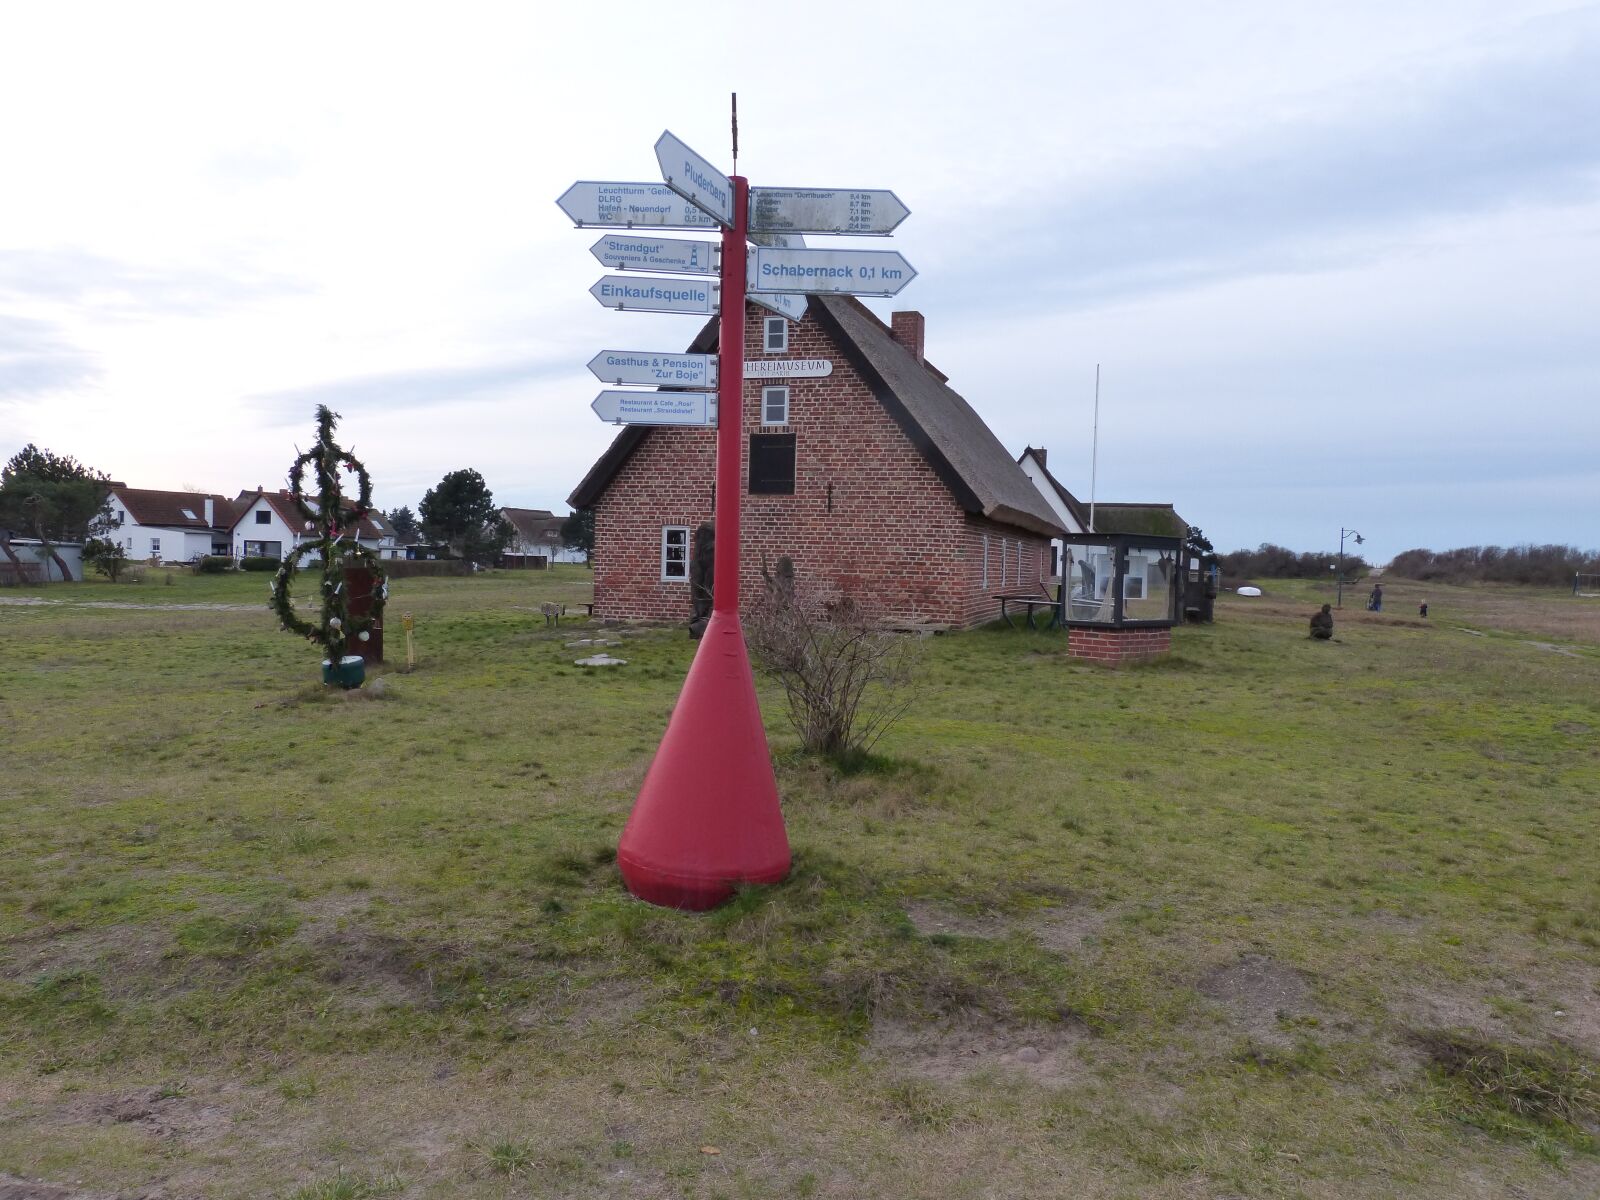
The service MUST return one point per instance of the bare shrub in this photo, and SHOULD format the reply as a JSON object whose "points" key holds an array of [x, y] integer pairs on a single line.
{"points": [[845, 675]]}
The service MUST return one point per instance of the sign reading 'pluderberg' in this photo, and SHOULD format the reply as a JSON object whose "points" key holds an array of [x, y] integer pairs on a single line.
{"points": [[693, 178], [651, 368], [655, 295]]}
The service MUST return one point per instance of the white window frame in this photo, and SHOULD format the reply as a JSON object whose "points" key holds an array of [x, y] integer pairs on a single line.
{"points": [[155, 547], [263, 516], [768, 394], [778, 344], [1004, 563], [666, 531]]}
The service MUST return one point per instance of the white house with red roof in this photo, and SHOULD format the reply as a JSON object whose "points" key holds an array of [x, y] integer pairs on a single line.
{"points": [[267, 525], [169, 526]]}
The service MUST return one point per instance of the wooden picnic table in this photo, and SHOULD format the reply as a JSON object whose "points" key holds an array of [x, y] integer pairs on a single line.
{"points": [[1031, 603]]}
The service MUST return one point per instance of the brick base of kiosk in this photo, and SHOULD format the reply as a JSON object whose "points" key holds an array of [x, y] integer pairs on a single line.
{"points": [[1115, 646]]}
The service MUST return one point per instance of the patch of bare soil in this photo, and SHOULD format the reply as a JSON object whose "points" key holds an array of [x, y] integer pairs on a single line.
{"points": [[125, 958], [1065, 928], [378, 968], [1257, 991], [929, 919], [200, 1117], [956, 1049]]}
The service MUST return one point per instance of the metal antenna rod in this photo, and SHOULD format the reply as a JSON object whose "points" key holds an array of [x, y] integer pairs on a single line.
{"points": [[1094, 452], [735, 132]]}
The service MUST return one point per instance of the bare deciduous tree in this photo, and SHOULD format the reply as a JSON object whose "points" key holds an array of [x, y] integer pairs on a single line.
{"points": [[845, 675]]}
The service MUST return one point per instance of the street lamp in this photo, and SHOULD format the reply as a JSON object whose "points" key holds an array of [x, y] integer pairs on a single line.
{"points": [[1344, 533]]}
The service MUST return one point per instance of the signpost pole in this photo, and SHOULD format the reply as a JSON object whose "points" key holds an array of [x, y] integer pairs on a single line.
{"points": [[707, 817], [730, 393]]}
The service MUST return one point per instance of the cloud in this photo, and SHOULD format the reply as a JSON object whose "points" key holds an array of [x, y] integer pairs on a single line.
{"points": [[36, 359], [117, 288], [1309, 191], [423, 387]]}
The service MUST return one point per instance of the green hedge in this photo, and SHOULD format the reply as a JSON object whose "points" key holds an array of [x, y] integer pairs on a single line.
{"points": [[258, 564], [213, 564]]}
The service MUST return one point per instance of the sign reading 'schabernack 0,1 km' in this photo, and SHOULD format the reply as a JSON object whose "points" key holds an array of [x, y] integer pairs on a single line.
{"points": [[656, 295], [856, 272]]}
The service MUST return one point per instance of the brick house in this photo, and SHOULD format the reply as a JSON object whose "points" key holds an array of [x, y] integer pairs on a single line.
{"points": [[869, 471]]}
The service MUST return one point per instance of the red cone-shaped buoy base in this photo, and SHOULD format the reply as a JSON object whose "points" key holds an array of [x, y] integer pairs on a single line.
{"points": [[707, 817]]}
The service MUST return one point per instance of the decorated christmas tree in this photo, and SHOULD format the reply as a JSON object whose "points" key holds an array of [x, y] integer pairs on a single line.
{"points": [[334, 521]]}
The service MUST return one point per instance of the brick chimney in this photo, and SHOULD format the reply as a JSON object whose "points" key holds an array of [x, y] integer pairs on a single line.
{"points": [[908, 328]]}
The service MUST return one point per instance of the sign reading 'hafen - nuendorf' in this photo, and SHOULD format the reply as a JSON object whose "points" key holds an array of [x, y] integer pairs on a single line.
{"points": [[631, 205], [655, 295]]}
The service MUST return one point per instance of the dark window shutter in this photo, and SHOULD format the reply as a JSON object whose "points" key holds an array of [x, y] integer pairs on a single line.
{"points": [[772, 464]]}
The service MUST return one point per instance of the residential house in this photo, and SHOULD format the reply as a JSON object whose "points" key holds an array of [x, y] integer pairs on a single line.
{"points": [[536, 539], [268, 525], [169, 526], [861, 464]]}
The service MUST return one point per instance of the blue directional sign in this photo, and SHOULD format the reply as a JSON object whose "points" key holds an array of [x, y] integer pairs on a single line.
{"points": [[631, 206], [855, 272], [656, 295], [862, 211], [695, 179], [655, 368], [631, 252], [656, 408]]}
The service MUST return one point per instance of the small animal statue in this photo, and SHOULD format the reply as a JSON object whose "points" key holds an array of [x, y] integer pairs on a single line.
{"points": [[1322, 623], [553, 613], [702, 578]]}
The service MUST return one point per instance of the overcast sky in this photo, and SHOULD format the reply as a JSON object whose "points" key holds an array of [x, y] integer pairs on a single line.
{"points": [[1340, 263]]}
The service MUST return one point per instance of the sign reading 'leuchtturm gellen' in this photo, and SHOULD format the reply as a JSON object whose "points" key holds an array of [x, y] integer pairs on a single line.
{"points": [[655, 295], [630, 205]]}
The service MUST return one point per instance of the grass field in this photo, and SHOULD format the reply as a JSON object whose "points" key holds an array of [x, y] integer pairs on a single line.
{"points": [[1270, 918]]}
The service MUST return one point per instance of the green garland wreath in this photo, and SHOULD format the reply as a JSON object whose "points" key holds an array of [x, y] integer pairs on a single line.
{"points": [[336, 629]]}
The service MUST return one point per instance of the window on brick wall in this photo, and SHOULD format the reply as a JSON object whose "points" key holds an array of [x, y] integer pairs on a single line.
{"points": [[772, 464], [775, 335], [774, 406], [675, 553], [1004, 562], [986, 561]]}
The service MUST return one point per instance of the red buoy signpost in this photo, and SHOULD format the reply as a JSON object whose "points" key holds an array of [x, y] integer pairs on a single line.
{"points": [[707, 818]]}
